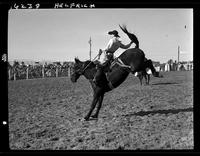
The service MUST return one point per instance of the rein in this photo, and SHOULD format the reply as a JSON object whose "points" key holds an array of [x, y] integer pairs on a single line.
{"points": [[89, 64]]}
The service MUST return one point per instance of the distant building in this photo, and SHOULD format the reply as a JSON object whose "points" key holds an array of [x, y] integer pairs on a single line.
{"points": [[156, 63], [157, 68]]}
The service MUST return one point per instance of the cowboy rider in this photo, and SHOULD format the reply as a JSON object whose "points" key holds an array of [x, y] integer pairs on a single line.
{"points": [[113, 44]]}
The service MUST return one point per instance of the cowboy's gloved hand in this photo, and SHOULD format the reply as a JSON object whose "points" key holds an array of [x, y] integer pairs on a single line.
{"points": [[100, 52]]}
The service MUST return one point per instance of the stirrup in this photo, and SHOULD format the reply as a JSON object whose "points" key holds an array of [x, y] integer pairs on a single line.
{"points": [[107, 76]]}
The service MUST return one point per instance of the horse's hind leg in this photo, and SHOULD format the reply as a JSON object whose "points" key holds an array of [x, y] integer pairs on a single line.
{"points": [[94, 102], [146, 79], [99, 106], [140, 77]]}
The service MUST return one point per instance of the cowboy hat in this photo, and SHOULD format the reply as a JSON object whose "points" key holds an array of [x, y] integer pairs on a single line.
{"points": [[114, 32]]}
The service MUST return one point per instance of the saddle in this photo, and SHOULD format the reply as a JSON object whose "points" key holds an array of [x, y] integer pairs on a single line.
{"points": [[104, 69]]}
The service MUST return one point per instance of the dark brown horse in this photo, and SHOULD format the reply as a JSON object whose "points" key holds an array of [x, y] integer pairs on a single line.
{"points": [[133, 61], [148, 64]]}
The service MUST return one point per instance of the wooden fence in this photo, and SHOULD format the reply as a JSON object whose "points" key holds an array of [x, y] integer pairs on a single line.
{"points": [[41, 72]]}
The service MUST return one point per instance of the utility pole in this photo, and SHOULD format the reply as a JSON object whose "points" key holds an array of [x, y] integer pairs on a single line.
{"points": [[178, 53], [90, 42]]}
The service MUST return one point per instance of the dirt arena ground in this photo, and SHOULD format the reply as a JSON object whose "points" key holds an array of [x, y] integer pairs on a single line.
{"points": [[44, 114]]}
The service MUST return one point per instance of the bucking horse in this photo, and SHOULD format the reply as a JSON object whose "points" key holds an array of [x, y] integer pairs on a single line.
{"points": [[130, 61]]}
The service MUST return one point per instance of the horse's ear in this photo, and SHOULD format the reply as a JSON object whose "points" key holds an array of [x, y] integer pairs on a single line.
{"points": [[150, 61], [77, 60]]}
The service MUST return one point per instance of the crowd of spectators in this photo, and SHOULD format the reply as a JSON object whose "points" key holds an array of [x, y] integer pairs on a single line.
{"points": [[20, 70]]}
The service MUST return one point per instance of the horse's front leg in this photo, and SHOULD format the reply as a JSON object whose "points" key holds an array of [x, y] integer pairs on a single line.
{"points": [[148, 78], [94, 102], [92, 84], [99, 106]]}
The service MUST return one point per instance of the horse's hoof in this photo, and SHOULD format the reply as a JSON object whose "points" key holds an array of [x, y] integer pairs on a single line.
{"points": [[93, 118], [83, 119]]}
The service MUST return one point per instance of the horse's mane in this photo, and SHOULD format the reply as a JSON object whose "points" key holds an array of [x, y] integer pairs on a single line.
{"points": [[89, 63]]}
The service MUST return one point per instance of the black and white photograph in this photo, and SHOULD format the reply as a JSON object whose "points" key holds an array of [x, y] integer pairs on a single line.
{"points": [[87, 78]]}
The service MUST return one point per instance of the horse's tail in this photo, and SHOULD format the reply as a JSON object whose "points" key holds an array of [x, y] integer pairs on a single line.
{"points": [[130, 35]]}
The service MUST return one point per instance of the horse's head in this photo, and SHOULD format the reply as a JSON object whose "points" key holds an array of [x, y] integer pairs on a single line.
{"points": [[77, 70], [81, 68]]}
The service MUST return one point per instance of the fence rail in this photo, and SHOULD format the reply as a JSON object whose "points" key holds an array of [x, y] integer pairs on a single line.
{"points": [[18, 72]]}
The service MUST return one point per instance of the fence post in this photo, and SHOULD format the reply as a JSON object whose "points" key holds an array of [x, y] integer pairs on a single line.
{"points": [[14, 75], [56, 71], [43, 71], [27, 73], [69, 72], [178, 67]]}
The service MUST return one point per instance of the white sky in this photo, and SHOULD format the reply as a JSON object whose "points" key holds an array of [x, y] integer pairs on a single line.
{"points": [[62, 34]]}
